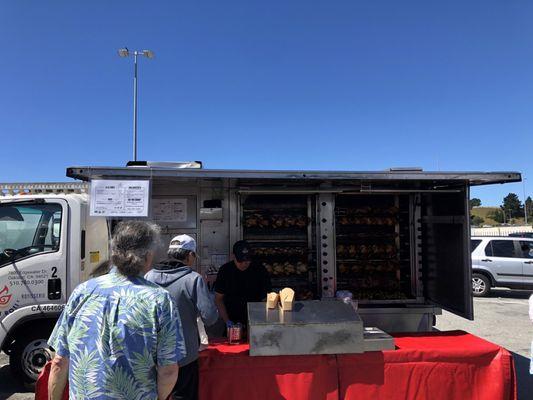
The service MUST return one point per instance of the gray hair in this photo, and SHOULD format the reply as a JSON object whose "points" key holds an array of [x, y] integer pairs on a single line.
{"points": [[179, 254], [131, 243], [101, 269]]}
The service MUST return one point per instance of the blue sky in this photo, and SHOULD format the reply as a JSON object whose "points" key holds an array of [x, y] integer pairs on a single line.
{"points": [[346, 85]]}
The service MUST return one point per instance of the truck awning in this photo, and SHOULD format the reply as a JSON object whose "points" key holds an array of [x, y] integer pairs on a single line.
{"points": [[148, 172]]}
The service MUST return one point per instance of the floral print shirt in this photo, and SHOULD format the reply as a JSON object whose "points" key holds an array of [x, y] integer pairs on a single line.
{"points": [[116, 331]]}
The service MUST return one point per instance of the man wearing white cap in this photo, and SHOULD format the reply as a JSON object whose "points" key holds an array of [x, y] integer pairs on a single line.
{"points": [[191, 294]]}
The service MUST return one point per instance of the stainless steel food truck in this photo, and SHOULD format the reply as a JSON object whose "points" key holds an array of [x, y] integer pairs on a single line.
{"points": [[397, 239]]}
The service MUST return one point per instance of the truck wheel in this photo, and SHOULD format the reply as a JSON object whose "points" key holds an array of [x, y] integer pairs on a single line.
{"points": [[480, 285], [29, 355]]}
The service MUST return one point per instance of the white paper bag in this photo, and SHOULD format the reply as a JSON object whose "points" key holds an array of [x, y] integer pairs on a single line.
{"points": [[204, 340]]}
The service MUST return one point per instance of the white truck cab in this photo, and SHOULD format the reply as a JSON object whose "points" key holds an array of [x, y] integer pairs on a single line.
{"points": [[48, 245]]}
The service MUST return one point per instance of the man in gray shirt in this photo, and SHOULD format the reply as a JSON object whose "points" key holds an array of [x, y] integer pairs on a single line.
{"points": [[192, 297]]}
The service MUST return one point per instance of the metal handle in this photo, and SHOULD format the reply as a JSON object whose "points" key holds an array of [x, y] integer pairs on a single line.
{"points": [[487, 260], [528, 262]]}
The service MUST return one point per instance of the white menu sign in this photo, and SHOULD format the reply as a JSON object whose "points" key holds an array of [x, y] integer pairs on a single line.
{"points": [[111, 198]]}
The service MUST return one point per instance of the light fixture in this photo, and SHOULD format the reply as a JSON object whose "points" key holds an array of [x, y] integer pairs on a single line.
{"points": [[123, 52], [149, 53]]}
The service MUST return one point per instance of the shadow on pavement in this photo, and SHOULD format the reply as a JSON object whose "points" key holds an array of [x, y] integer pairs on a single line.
{"points": [[510, 294], [9, 385], [524, 380]]}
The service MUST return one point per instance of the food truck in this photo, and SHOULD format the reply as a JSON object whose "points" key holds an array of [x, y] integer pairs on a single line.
{"points": [[398, 239]]}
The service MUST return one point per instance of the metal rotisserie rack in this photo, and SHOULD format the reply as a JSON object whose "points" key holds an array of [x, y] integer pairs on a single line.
{"points": [[281, 231], [373, 246]]}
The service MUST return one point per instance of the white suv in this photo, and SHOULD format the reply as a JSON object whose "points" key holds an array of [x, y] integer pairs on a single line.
{"points": [[501, 261]]}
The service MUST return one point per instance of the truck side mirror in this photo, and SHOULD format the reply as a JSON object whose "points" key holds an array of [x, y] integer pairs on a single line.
{"points": [[8, 213]]}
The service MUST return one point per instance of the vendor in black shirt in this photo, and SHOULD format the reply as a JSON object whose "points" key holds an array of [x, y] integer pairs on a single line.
{"points": [[239, 282]]}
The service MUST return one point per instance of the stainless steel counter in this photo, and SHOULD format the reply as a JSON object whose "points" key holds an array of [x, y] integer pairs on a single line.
{"points": [[312, 327]]}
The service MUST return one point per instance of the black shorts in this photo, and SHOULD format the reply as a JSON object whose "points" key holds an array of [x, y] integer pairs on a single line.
{"points": [[186, 387]]}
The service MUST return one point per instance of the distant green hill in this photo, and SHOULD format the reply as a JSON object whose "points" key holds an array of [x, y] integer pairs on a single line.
{"points": [[484, 211]]}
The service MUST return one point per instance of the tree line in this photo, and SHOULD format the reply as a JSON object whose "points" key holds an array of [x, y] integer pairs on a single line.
{"points": [[510, 209]]}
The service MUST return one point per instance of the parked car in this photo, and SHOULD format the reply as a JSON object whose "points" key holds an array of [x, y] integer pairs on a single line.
{"points": [[522, 234], [502, 262]]}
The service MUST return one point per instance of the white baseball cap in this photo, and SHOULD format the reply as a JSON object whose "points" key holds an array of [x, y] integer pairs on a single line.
{"points": [[184, 242]]}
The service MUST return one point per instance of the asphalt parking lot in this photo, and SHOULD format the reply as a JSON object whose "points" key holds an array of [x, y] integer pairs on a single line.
{"points": [[9, 388], [501, 318]]}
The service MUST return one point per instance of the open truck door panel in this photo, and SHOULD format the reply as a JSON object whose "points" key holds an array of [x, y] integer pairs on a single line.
{"points": [[444, 251]]}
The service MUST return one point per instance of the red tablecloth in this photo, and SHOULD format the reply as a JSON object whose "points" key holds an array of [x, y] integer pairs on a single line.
{"points": [[228, 372], [41, 386], [440, 365]]}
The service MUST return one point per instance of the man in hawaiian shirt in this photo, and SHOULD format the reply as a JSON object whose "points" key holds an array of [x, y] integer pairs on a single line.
{"points": [[119, 336]]}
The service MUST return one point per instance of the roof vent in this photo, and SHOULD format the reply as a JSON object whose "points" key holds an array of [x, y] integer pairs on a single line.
{"points": [[165, 164]]}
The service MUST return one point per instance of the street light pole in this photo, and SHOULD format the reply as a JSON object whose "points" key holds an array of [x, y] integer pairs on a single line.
{"points": [[135, 107], [124, 52], [525, 203]]}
